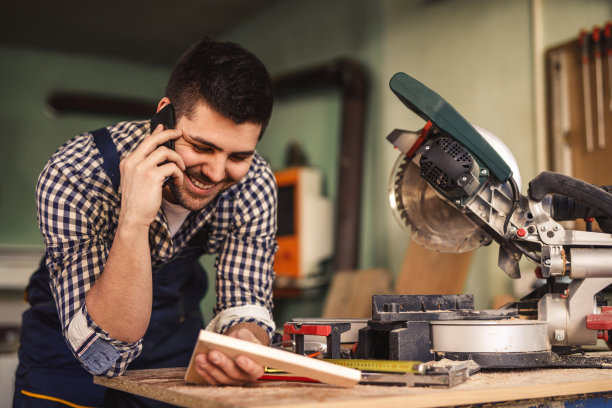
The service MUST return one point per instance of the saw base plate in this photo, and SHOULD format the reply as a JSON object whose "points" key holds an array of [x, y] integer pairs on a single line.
{"points": [[502, 360]]}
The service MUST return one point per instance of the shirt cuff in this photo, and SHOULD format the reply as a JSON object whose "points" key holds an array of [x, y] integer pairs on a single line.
{"points": [[95, 350], [249, 313]]}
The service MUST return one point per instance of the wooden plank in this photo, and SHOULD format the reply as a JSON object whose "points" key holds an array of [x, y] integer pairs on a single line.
{"points": [[427, 272], [271, 357], [350, 293], [559, 385]]}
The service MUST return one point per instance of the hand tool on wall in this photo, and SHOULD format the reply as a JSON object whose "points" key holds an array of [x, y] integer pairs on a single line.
{"points": [[561, 126], [599, 88], [583, 40], [608, 37]]}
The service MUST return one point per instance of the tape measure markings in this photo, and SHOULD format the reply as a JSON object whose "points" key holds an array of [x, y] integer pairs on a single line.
{"points": [[385, 366]]}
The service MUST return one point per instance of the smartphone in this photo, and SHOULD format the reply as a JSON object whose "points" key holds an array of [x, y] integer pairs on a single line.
{"points": [[166, 117]]}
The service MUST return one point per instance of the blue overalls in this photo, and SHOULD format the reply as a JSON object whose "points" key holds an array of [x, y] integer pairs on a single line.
{"points": [[49, 375]]}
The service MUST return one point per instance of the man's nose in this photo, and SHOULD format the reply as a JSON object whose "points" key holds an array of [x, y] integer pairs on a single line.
{"points": [[214, 169]]}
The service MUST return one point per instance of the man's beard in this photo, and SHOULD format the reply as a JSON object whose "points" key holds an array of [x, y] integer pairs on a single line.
{"points": [[191, 202]]}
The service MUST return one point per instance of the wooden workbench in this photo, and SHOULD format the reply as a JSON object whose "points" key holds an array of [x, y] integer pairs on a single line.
{"points": [[483, 387]]}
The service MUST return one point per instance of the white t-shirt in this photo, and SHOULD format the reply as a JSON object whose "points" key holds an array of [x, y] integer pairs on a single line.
{"points": [[175, 214]]}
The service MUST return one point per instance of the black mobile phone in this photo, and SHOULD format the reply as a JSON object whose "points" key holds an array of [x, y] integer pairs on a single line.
{"points": [[166, 117]]}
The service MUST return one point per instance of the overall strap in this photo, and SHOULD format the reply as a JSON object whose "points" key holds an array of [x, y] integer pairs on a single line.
{"points": [[110, 157]]}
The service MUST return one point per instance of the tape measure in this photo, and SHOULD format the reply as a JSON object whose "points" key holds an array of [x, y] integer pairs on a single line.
{"points": [[382, 366]]}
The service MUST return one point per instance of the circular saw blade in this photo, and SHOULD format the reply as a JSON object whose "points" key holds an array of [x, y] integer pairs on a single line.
{"points": [[433, 222]]}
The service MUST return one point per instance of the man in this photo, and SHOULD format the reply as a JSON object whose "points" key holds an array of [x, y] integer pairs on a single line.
{"points": [[125, 219]]}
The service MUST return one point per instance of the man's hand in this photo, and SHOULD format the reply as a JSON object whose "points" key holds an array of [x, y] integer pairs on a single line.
{"points": [[143, 173], [216, 368]]}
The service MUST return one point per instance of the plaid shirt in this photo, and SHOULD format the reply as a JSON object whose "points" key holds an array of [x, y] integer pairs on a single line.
{"points": [[78, 212]]}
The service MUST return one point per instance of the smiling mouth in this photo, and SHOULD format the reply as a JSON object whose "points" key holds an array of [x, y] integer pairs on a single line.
{"points": [[201, 185]]}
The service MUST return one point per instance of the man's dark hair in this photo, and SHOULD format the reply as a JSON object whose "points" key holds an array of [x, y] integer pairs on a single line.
{"points": [[229, 79]]}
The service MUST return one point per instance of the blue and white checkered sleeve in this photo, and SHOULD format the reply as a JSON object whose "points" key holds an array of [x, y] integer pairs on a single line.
{"points": [[245, 264], [73, 216]]}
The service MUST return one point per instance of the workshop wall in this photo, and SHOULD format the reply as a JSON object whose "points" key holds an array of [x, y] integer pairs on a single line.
{"points": [[31, 132], [294, 35], [477, 55], [562, 19]]}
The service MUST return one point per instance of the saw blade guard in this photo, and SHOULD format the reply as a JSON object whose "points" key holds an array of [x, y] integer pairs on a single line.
{"points": [[445, 166], [431, 220], [435, 222]]}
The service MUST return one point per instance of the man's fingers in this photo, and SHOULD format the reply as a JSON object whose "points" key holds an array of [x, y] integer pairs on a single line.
{"points": [[217, 368], [227, 371], [170, 170], [203, 367], [160, 164], [171, 166], [152, 142], [162, 155], [158, 128], [250, 367]]}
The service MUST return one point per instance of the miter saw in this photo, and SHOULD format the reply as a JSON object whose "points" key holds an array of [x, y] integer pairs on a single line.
{"points": [[457, 188]]}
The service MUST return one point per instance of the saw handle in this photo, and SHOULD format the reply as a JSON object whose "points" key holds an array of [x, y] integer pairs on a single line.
{"points": [[554, 183]]}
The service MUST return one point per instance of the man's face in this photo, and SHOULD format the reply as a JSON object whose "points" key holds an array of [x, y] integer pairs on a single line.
{"points": [[217, 153]]}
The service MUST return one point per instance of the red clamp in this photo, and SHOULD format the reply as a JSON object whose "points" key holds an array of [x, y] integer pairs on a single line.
{"points": [[308, 329], [600, 321], [331, 331]]}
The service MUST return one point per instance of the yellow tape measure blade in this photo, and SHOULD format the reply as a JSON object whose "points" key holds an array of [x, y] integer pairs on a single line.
{"points": [[382, 366]]}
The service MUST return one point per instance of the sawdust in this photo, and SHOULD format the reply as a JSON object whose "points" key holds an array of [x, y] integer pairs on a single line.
{"points": [[445, 362], [530, 377]]}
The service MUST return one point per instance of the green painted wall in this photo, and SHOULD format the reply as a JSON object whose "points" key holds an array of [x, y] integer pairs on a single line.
{"points": [[295, 35], [31, 133], [475, 54]]}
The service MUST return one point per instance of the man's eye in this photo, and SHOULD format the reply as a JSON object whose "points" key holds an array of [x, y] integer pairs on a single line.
{"points": [[239, 157], [201, 149]]}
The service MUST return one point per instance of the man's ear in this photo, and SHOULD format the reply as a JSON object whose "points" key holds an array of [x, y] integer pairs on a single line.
{"points": [[163, 102]]}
